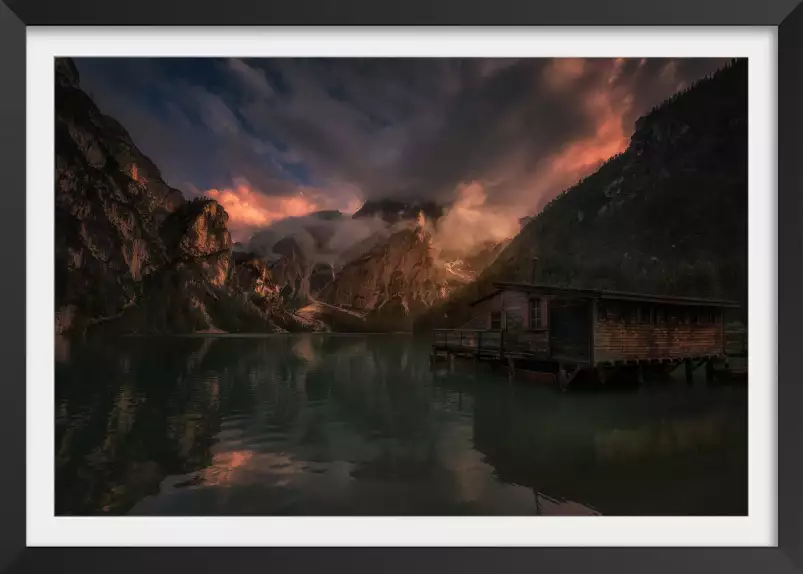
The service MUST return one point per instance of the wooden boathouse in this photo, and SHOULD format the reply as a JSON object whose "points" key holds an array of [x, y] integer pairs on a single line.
{"points": [[570, 331]]}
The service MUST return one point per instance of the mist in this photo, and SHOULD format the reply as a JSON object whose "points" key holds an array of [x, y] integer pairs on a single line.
{"points": [[469, 224]]}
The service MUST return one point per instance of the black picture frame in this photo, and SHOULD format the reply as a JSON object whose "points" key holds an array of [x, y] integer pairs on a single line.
{"points": [[15, 15]]}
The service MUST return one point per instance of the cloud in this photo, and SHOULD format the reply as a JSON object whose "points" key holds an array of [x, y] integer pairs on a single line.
{"points": [[469, 223], [310, 134], [215, 114], [251, 78], [250, 210]]}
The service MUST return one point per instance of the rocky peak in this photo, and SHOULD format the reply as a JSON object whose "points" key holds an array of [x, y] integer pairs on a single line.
{"points": [[393, 280], [205, 231]]}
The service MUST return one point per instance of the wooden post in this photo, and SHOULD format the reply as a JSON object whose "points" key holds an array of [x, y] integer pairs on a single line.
{"points": [[709, 370], [640, 374], [689, 371], [563, 379], [479, 342]]}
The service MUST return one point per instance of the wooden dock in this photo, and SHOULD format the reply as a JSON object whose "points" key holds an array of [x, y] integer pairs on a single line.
{"points": [[477, 343], [514, 353]]}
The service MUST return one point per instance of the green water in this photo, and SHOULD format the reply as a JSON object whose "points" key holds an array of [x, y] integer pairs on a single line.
{"points": [[319, 424]]}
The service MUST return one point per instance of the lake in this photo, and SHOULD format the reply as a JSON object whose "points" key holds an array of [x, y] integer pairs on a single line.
{"points": [[324, 424]]}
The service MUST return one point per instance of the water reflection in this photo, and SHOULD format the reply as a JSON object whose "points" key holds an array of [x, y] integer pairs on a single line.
{"points": [[360, 425]]}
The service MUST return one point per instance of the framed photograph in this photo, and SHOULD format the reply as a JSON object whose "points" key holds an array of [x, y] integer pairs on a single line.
{"points": [[433, 287]]}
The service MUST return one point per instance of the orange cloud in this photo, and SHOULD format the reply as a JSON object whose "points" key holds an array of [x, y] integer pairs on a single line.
{"points": [[470, 221], [609, 138], [608, 107], [560, 73], [249, 209]]}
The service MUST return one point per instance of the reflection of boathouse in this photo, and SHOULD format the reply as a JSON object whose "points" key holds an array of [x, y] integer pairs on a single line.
{"points": [[624, 455]]}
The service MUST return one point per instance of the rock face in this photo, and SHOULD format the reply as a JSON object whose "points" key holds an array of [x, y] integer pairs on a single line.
{"points": [[299, 254], [392, 282], [669, 215], [132, 254], [467, 268]]}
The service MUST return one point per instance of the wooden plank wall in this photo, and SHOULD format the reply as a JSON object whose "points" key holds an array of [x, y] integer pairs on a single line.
{"points": [[481, 313], [617, 341], [518, 337], [516, 305]]}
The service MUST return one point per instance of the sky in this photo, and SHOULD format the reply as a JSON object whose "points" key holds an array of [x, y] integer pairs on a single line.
{"points": [[277, 138]]}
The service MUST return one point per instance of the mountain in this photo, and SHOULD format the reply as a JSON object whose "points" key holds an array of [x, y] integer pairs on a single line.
{"points": [[394, 281], [131, 254], [468, 267], [300, 253], [668, 215]]}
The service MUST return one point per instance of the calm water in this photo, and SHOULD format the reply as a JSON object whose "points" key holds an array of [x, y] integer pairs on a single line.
{"points": [[318, 424]]}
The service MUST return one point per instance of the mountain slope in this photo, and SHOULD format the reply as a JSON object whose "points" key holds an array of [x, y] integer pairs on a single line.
{"points": [[393, 281], [131, 254], [669, 215]]}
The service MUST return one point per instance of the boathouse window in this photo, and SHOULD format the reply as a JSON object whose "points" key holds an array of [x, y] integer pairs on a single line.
{"points": [[535, 314], [645, 315], [496, 321]]}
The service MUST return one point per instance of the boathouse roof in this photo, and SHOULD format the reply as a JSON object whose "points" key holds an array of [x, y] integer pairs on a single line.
{"points": [[607, 294]]}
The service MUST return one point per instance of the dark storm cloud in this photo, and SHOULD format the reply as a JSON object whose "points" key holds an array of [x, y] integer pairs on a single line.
{"points": [[272, 138]]}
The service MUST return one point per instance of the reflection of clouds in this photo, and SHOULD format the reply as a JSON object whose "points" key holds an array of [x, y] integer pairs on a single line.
{"points": [[224, 466], [247, 466]]}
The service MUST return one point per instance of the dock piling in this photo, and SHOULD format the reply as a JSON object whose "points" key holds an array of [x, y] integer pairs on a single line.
{"points": [[689, 371]]}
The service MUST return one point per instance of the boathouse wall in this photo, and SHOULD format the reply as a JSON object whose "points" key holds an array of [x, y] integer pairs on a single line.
{"points": [[644, 332]]}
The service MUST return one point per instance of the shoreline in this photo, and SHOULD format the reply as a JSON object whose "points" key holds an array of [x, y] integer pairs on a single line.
{"points": [[227, 335]]}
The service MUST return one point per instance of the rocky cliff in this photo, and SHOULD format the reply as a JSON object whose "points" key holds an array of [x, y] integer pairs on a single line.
{"points": [[669, 215], [393, 281], [132, 255]]}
